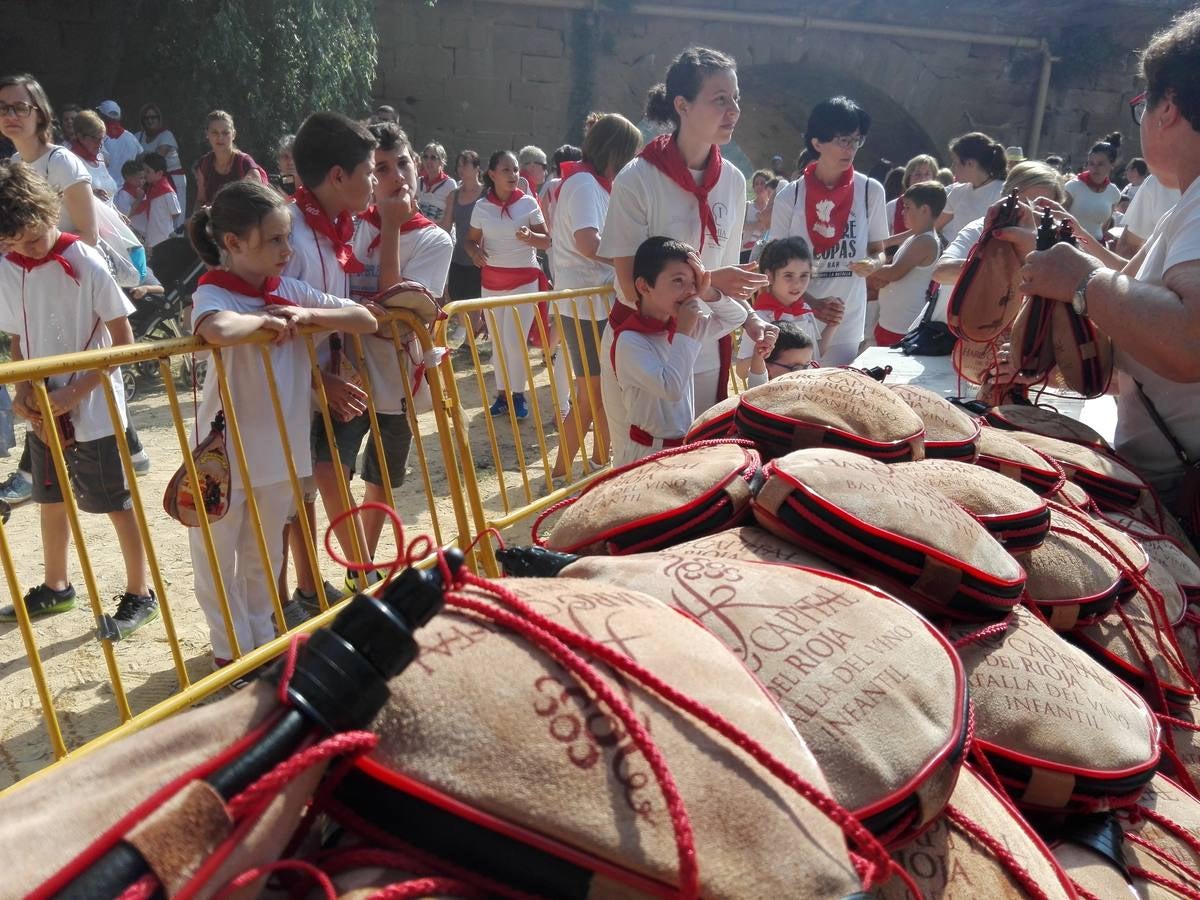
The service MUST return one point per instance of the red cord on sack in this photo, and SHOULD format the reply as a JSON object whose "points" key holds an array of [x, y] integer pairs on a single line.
{"points": [[998, 850], [1164, 881], [282, 865], [1084, 893], [428, 887], [1164, 855], [982, 634]]}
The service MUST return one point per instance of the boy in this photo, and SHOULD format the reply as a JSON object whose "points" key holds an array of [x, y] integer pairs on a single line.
{"points": [[787, 263], [132, 191], [56, 296], [653, 350], [791, 352], [160, 205], [905, 280]]}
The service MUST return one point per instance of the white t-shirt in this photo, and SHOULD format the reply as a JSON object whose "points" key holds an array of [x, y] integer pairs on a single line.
{"points": [[101, 180], [151, 145], [51, 314], [901, 301], [432, 203], [61, 168], [314, 258], [1092, 208], [582, 203], [500, 227], [1152, 201], [248, 387], [968, 236], [118, 151], [124, 201], [425, 259], [967, 203], [867, 224], [161, 218], [808, 324], [1175, 240]]}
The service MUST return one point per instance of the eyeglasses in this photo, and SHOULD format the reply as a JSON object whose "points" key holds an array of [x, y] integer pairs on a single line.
{"points": [[798, 367], [20, 109], [1137, 108], [848, 141]]}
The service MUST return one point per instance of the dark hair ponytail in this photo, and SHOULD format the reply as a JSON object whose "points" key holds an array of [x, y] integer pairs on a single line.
{"points": [[198, 233], [989, 154], [684, 79], [238, 209], [1110, 146]]}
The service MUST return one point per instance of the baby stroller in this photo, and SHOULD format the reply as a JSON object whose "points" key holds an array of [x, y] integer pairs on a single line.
{"points": [[158, 317]]}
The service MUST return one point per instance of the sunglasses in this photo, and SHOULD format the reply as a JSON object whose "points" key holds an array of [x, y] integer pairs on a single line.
{"points": [[1137, 108]]}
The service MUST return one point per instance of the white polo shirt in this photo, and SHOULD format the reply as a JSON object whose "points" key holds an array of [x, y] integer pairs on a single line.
{"points": [[500, 228], [582, 203]]}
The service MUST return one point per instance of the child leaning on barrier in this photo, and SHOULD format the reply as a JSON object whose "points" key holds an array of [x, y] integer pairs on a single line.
{"points": [[244, 236], [57, 296]]}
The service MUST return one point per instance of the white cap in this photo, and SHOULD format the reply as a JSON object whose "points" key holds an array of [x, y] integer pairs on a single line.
{"points": [[109, 109]]}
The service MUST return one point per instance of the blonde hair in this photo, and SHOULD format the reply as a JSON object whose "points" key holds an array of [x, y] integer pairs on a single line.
{"points": [[612, 141], [915, 163], [26, 201], [219, 115], [88, 124], [1030, 174]]}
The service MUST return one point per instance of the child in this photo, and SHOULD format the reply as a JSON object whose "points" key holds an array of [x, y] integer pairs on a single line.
{"points": [[56, 296], [132, 191], [905, 281], [160, 205], [787, 263], [791, 352], [244, 236], [653, 350]]}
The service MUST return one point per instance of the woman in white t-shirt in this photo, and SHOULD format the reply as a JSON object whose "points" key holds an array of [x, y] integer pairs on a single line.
{"points": [[980, 166], [88, 144], [434, 186], [840, 214], [580, 207], [155, 137], [758, 210], [680, 187], [1091, 195], [507, 230]]}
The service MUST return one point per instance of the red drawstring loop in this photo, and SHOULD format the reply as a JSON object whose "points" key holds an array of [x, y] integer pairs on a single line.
{"points": [[998, 850], [1164, 855], [429, 887], [283, 865], [1164, 881]]}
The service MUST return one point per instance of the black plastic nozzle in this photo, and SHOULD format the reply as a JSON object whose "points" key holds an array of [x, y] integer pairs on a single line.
{"points": [[533, 562]]}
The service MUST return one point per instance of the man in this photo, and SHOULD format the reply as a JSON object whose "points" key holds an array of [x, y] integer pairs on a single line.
{"points": [[120, 146]]}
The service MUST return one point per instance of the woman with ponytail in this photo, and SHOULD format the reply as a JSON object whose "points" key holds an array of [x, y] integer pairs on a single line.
{"points": [[840, 214], [1091, 195], [980, 167], [679, 187]]}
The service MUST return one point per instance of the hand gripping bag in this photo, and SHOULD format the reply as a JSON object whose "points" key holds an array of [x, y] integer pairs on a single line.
{"points": [[1108, 481], [881, 528], [714, 423], [1061, 733], [875, 691], [672, 496], [1012, 513], [949, 432], [574, 739], [979, 847], [999, 451], [833, 408], [987, 294], [1046, 422]]}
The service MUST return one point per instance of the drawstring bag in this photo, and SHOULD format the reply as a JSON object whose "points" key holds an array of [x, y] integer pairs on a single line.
{"points": [[211, 458], [1001, 453], [1108, 480], [1047, 422], [752, 543], [949, 432], [1083, 354], [987, 295], [714, 423]]}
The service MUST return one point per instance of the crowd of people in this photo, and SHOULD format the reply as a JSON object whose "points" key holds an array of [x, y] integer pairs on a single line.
{"points": [[811, 267]]}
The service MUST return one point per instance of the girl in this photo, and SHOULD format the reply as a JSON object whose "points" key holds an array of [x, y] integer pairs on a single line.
{"points": [[244, 237], [581, 206], [506, 230], [840, 215], [463, 283], [434, 186], [792, 351], [680, 187], [979, 165], [758, 211], [224, 163], [155, 137], [1091, 195]]}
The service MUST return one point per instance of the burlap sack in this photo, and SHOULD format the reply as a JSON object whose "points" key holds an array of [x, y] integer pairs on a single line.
{"points": [[1048, 422], [974, 361], [669, 497], [411, 296], [949, 432], [1167, 552], [879, 527], [1181, 739], [1083, 353], [987, 294], [1031, 342], [1061, 731], [1038, 472], [751, 543], [950, 860], [1111, 483], [875, 691], [1165, 830], [1074, 497], [714, 423], [836, 408], [542, 783], [1012, 513]]}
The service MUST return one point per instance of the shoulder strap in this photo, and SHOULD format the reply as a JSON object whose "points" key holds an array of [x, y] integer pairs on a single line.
{"points": [[1161, 424]]}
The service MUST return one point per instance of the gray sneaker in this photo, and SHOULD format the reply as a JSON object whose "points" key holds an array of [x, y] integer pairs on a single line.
{"points": [[309, 602], [132, 613], [16, 489], [141, 463], [294, 613]]}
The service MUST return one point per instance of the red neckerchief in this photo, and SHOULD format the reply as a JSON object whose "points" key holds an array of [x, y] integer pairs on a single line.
{"points": [[663, 153], [28, 263], [371, 214], [430, 188], [826, 230], [516, 195], [164, 185], [224, 279], [625, 318], [136, 192], [567, 169], [1086, 177], [898, 216], [338, 232], [113, 128], [84, 153], [768, 302]]}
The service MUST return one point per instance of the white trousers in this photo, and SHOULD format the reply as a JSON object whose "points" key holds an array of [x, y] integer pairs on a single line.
{"points": [[510, 338], [248, 586]]}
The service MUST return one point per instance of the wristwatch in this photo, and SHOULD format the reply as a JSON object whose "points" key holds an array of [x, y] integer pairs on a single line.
{"points": [[1079, 298]]}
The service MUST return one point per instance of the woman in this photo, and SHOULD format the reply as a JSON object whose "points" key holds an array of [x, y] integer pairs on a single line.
{"points": [[89, 138], [758, 211], [156, 137], [919, 168], [580, 208], [840, 215], [1151, 305], [463, 282], [1091, 195], [505, 232], [680, 187], [67, 121], [434, 186], [285, 163], [225, 163], [979, 165], [25, 119]]}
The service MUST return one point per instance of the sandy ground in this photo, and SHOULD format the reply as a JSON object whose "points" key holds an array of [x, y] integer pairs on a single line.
{"points": [[70, 652]]}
